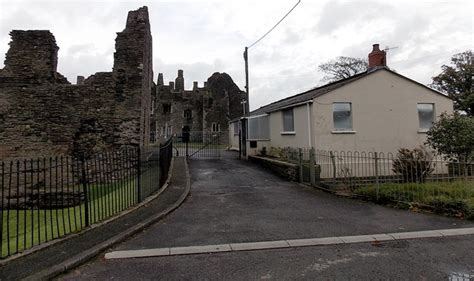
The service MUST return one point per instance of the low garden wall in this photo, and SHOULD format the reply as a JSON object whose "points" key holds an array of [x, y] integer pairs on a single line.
{"points": [[288, 171]]}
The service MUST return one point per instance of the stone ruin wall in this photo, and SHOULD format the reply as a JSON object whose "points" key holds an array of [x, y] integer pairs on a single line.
{"points": [[219, 101], [42, 114]]}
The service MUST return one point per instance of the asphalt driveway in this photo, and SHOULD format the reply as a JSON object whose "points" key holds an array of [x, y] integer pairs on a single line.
{"points": [[235, 201]]}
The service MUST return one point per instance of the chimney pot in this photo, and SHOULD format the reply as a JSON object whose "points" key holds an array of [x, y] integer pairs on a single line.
{"points": [[377, 58]]}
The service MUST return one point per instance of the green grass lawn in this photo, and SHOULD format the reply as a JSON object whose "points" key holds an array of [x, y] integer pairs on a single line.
{"points": [[38, 226], [455, 197]]}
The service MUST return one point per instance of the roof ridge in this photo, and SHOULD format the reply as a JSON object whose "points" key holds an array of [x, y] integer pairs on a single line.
{"points": [[314, 89]]}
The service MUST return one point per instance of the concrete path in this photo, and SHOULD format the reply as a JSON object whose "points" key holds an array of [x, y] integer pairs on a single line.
{"points": [[234, 202], [55, 259]]}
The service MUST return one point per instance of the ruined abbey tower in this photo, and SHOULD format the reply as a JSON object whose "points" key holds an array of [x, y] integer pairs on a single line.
{"points": [[208, 108], [42, 114]]}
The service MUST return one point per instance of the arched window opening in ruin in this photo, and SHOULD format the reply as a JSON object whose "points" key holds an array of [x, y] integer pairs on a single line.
{"points": [[166, 108], [188, 114], [216, 127]]}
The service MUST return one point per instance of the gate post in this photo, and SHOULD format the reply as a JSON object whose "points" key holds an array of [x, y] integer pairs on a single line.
{"points": [[333, 160], [300, 163], [139, 176], [219, 145], [240, 144], [377, 185], [84, 186], [312, 167]]}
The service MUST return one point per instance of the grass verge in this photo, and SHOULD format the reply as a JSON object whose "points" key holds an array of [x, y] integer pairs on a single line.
{"points": [[23, 229], [452, 198]]}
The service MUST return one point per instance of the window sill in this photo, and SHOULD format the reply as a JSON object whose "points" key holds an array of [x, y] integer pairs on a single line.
{"points": [[343, 132], [288, 133], [423, 131]]}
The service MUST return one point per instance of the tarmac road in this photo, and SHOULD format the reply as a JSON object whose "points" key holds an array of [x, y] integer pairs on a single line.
{"points": [[234, 201]]}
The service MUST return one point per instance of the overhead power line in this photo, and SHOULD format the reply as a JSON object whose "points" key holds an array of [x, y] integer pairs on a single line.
{"points": [[271, 29]]}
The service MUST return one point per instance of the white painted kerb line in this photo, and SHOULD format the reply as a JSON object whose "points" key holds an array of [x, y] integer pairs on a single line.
{"points": [[252, 246]]}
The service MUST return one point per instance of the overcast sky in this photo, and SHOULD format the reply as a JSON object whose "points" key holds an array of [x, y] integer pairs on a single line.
{"points": [[202, 37]]}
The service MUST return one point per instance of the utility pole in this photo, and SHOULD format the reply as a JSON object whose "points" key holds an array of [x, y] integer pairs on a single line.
{"points": [[243, 102], [246, 59], [243, 127]]}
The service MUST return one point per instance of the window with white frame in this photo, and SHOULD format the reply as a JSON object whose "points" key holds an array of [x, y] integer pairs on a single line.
{"points": [[342, 116], [258, 128], [288, 120], [425, 115]]}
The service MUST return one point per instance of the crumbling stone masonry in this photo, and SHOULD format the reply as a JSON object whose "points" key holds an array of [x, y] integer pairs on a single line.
{"points": [[42, 114], [207, 109]]}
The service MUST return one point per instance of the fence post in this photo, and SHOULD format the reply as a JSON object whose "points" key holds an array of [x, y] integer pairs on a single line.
{"points": [[312, 167], [333, 161], [161, 151], [84, 186], [218, 145], [377, 185], [300, 163], [139, 174], [187, 154]]}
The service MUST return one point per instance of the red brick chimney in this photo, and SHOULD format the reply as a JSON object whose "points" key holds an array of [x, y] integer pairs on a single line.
{"points": [[377, 57]]}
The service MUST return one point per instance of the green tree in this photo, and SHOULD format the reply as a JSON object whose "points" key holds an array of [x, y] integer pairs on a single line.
{"points": [[456, 81], [342, 67], [453, 136]]}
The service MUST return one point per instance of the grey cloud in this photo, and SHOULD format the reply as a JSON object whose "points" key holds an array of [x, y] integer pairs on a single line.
{"points": [[79, 49], [19, 19], [198, 71], [292, 36], [283, 84], [84, 65], [337, 14], [257, 56]]}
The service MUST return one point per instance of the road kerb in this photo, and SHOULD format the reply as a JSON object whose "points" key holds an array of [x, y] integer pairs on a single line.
{"points": [[294, 243], [259, 245], [416, 234], [314, 241], [457, 231], [138, 253], [200, 249]]}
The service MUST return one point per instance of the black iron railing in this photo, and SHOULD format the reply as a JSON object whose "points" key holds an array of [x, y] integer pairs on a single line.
{"points": [[198, 144], [444, 184], [47, 198]]}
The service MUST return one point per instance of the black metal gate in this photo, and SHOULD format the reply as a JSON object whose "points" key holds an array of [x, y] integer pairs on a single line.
{"points": [[198, 145]]}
